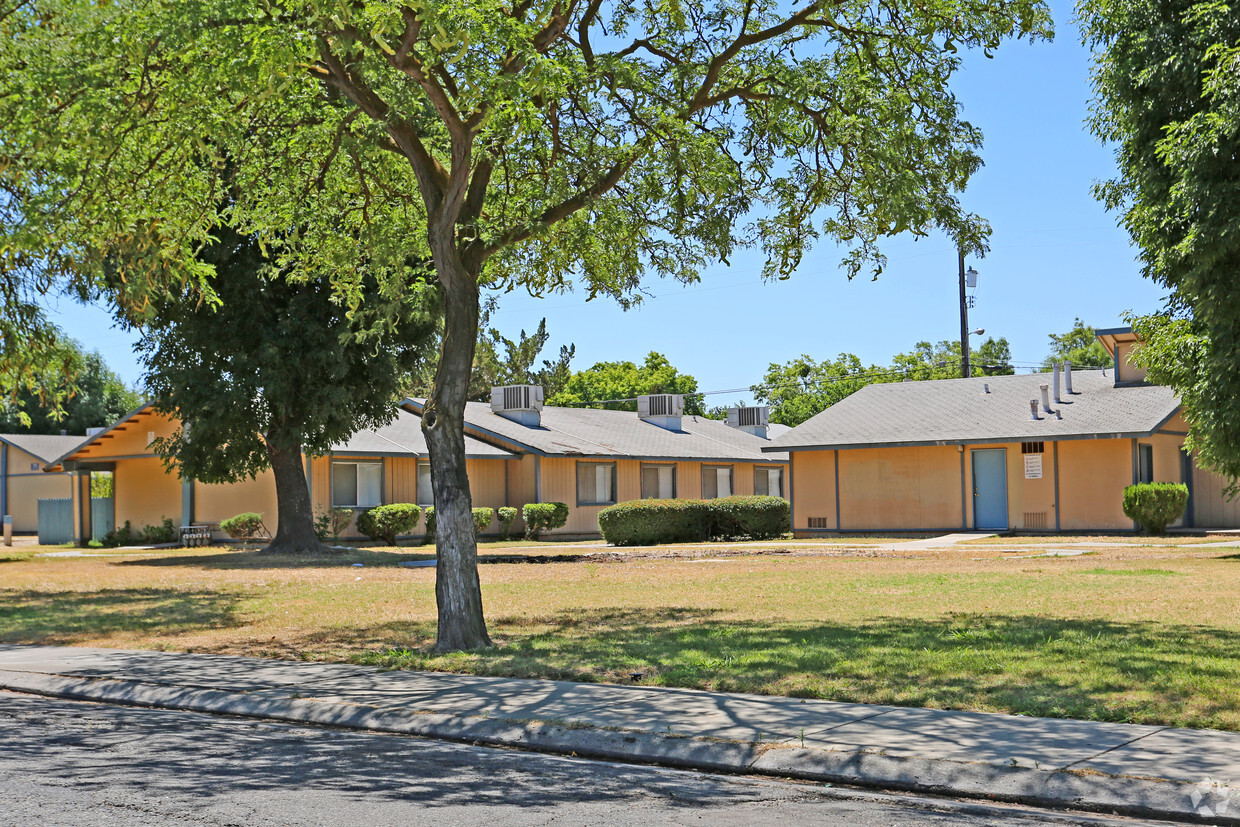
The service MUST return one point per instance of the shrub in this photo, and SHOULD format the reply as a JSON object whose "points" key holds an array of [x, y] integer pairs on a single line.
{"points": [[751, 518], [540, 517], [332, 523], [650, 522], [482, 519], [387, 522], [507, 515], [119, 536], [165, 532], [429, 514], [244, 527], [1155, 504]]}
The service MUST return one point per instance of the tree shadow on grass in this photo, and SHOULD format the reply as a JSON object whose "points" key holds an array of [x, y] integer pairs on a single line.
{"points": [[67, 617], [1142, 672]]}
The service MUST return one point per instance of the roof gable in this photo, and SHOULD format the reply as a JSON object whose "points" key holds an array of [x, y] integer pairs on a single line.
{"points": [[44, 447]]}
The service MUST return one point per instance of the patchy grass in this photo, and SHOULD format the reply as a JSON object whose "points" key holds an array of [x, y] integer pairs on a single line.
{"points": [[1115, 636], [1130, 539]]}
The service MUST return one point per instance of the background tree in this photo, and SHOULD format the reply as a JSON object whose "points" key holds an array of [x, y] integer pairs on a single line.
{"points": [[992, 357], [616, 385], [528, 144], [273, 371], [1166, 82], [803, 387], [1080, 346], [91, 395]]}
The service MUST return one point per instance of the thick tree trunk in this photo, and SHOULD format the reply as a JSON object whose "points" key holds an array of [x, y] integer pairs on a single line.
{"points": [[295, 520], [458, 593]]}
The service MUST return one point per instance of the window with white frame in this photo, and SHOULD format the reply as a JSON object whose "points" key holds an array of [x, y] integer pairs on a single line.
{"points": [[768, 481], [357, 484], [596, 483], [658, 482], [426, 494], [716, 481]]}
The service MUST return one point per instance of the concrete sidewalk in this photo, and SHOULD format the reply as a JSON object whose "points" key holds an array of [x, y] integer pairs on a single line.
{"points": [[1138, 770]]}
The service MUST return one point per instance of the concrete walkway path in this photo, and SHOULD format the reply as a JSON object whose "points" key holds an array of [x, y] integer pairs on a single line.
{"points": [[1144, 771]]}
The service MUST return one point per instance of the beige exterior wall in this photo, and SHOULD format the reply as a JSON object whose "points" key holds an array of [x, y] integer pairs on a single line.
{"points": [[145, 493], [213, 503], [27, 487], [813, 494], [1211, 508], [1128, 372], [898, 488]]}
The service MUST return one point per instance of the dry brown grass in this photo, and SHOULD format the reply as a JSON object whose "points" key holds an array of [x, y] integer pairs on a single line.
{"points": [[1149, 635]]}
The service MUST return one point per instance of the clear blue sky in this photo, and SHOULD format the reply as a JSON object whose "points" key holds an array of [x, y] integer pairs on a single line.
{"points": [[1055, 255]]}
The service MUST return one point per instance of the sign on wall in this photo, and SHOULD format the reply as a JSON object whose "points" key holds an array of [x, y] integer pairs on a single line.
{"points": [[1033, 466]]}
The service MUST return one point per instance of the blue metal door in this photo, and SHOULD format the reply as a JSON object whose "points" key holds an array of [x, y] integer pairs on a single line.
{"points": [[990, 489], [55, 521], [102, 521]]}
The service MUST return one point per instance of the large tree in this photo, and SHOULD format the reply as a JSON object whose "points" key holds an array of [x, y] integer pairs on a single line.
{"points": [[1080, 346], [805, 387], [616, 385], [1166, 83], [274, 370], [526, 144], [88, 395]]}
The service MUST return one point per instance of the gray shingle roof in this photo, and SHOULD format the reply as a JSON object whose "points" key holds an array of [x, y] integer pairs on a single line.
{"points": [[590, 432], [46, 447], [956, 411], [403, 436]]}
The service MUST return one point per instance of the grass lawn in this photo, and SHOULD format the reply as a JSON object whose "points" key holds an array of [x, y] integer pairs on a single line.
{"points": [[1121, 634], [1117, 539]]}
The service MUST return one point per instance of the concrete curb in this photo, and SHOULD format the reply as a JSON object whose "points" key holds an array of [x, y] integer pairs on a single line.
{"points": [[1089, 791]]}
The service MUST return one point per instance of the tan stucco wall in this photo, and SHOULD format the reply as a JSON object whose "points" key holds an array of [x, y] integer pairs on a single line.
{"points": [[899, 488], [813, 496], [213, 503], [1128, 372], [27, 487], [145, 493], [1092, 476]]}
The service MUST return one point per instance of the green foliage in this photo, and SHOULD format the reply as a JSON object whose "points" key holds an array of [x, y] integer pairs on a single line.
{"points": [[102, 484], [124, 535], [752, 517], [506, 515], [803, 387], [540, 517], [245, 526], [625, 381], [428, 515], [332, 523], [1155, 505], [387, 522], [72, 395], [482, 519], [651, 522], [165, 532], [1166, 82], [1080, 346]]}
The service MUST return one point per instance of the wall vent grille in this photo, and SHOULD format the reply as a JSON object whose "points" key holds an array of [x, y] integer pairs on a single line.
{"points": [[819, 522], [1033, 447], [1035, 520]]}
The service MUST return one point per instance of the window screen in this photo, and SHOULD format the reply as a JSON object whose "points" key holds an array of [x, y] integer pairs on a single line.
{"points": [[344, 483], [1145, 471], [768, 481], [426, 495], [596, 482], [716, 481], [658, 482], [357, 484]]}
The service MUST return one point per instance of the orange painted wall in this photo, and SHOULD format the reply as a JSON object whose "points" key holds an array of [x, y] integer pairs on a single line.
{"points": [[146, 493], [1128, 372], [1092, 476], [813, 479], [898, 488], [131, 438], [213, 503], [27, 487]]}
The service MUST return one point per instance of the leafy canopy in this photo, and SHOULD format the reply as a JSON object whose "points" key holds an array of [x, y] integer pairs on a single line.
{"points": [[90, 395], [616, 385], [1080, 346], [1166, 82]]}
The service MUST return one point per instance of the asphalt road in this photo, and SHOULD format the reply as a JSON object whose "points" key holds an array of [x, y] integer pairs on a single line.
{"points": [[82, 764]]}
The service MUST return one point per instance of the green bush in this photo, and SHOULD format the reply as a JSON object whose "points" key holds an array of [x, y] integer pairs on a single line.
{"points": [[387, 522], [165, 532], [507, 515], [650, 522], [540, 517], [482, 519], [119, 536], [428, 515], [332, 523], [244, 527], [1154, 505], [750, 518]]}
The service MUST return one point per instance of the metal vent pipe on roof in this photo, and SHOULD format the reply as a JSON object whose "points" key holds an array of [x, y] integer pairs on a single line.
{"points": [[985, 388], [1055, 371], [1033, 409], [1067, 378], [1046, 397]]}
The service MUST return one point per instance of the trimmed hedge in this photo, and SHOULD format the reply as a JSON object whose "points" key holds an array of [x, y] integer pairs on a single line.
{"points": [[482, 519], [507, 515], [540, 517], [1154, 505], [387, 522], [244, 527], [651, 522]]}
